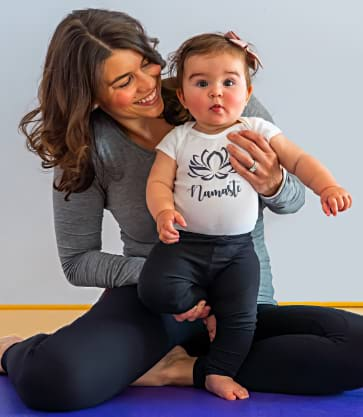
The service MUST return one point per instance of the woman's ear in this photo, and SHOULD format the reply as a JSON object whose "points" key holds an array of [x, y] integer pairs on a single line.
{"points": [[180, 95]]}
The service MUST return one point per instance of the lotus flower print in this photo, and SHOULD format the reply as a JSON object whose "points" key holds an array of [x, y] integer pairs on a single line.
{"points": [[210, 164]]}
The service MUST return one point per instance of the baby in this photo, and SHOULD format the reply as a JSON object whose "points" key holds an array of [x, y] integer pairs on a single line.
{"points": [[205, 211]]}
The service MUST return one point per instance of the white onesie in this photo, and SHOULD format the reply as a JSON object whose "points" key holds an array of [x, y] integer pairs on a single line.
{"points": [[211, 196]]}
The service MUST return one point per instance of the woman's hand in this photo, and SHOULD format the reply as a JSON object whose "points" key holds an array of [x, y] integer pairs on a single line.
{"points": [[165, 221], [211, 325], [199, 311], [267, 176], [334, 199]]}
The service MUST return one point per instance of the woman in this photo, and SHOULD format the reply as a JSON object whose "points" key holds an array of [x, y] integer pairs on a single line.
{"points": [[98, 123]]}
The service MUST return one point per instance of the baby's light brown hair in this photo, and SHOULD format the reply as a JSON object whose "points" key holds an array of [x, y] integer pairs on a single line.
{"points": [[208, 44]]}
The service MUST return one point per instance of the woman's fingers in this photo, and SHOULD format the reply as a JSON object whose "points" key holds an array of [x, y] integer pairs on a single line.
{"points": [[254, 143], [194, 313], [242, 157], [241, 170], [205, 312], [250, 149], [249, 146], [211, 324]]}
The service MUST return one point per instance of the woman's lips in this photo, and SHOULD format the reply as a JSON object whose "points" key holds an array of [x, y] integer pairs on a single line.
{"points": [[149, 100]]}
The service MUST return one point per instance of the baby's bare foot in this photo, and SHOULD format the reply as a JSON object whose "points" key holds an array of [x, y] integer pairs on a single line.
{"points": [[225, 387], [5, 343], [175, 368]]}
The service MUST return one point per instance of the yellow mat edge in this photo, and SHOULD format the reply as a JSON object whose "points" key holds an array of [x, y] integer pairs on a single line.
{"points": [[339, 304]]}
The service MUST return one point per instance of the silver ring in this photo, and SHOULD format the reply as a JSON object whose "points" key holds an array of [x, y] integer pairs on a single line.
{"points": [[253, 167]]}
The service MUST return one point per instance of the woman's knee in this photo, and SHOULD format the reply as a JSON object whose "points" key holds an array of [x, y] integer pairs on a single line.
{"points": [[346, 360], [353, 358], [57, 382]]}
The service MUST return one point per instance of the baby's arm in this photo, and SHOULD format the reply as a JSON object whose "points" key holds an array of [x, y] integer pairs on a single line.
{"points": [[159, 198], [313, 174]]}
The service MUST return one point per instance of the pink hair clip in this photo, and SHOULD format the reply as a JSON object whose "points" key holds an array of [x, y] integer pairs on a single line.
{"points": [[232, 37]]}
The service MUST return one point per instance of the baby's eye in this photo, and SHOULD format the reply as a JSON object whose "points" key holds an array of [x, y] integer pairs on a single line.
{"points": [[228, 83], [202, 83]]}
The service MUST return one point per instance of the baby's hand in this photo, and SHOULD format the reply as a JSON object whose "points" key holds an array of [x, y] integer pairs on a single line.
{"points": [[211, 324], [334, 199], [165, 225]]}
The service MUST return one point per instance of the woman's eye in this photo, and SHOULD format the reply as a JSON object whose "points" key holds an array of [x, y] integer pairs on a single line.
{"points": [[228, 83], [125, 83], [202, 83]]}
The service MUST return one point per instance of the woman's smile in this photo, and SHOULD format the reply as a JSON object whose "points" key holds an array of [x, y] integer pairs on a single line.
{"points": [[150, 99]]}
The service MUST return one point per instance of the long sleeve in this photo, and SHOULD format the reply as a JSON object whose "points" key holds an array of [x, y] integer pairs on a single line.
{"points": [[78, 227], [288, 199]]}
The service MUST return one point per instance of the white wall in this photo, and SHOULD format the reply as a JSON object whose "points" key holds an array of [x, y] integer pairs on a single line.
{"points": [[313, 57]]}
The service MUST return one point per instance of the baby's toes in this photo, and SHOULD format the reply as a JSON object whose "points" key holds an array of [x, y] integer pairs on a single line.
{"points": [[241, 393]]}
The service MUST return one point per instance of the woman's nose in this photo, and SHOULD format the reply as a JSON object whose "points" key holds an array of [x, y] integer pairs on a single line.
{"points": [[146, 81]]}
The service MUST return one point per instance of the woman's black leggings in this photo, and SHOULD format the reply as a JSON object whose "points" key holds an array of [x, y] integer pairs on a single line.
{"points": [[225, 271], [297, 350]]}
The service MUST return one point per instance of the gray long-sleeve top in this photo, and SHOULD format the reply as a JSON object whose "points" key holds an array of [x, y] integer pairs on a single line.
{"points": [[122, 168]]}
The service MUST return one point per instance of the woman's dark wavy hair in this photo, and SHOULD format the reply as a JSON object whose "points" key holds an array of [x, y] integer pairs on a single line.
{"points": [[174, 113], [59, 129]]}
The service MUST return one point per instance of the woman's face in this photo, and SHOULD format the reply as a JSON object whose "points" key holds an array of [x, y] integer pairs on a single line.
{"points": [[131, 87]]}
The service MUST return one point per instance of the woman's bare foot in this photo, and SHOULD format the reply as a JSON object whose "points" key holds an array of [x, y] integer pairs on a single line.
{"points": [[5, 343], [175, 368], [225, 387]]}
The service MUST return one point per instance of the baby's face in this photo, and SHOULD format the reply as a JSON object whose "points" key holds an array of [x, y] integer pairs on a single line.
{"points": [[214, 90]]}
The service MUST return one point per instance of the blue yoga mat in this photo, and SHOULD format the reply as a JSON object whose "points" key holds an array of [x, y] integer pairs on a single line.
{"points": [[190, 402]]}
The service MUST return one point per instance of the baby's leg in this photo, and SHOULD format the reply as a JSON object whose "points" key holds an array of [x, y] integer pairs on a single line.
{"points": [[233, 297], [171, 279]]}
